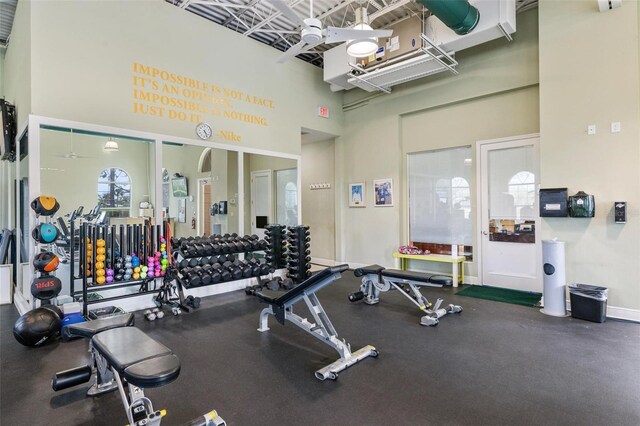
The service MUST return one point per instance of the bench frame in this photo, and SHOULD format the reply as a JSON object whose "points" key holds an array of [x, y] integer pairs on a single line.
{"points": [[322, 329], [139, 408], [374, 283]]}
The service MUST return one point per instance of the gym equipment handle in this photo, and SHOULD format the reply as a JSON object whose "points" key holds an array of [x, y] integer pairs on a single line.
{"points": [[69, 378], [354, 297]]}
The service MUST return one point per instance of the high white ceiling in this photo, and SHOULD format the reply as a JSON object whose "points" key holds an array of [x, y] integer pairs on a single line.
{"points": [[7, 11], [261, 21]]}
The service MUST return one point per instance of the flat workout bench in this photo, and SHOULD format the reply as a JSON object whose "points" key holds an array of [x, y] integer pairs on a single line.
{"points": [[125, 357], [377, 279], [281, 306]]}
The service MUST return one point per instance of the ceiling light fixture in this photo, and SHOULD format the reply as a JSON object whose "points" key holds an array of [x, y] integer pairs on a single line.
{"points": [[111, 145], [361, 48]]}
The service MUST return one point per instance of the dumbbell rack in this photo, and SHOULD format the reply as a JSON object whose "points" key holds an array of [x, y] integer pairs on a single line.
{"points": [[211, 260], [275, 235], [131, 238], [298, 253]]}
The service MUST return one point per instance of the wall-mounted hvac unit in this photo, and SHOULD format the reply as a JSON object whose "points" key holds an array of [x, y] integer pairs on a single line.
{"points": [[417, 49]]}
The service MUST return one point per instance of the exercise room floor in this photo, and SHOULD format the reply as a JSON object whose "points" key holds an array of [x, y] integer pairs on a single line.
{"points": [[493, 364]]}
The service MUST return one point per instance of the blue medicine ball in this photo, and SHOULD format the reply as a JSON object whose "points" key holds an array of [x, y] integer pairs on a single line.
{"points": [[45, 233]]}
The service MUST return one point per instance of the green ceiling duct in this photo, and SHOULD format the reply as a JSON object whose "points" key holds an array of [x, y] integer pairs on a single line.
{"points": [[458, 15]]}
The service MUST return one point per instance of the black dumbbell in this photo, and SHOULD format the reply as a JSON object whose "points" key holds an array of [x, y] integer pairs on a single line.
{"points": [[225, 275], [183, 263], [193, 262], [247, 270], [214, 273], [234, 270], [192, 277]]}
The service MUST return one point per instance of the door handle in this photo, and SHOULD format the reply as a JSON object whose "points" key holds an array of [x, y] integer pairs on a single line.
{"points": [[485, 233]]}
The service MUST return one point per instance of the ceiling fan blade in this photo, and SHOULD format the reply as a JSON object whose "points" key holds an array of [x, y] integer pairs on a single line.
{"points": [[289, 13], [337, 35], [294, 50]]}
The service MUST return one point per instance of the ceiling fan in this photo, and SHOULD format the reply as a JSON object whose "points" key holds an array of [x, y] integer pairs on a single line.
{"points": [[313, 34], [72, 155]]}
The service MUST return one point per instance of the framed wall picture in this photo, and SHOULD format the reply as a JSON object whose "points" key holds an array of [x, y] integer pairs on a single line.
{"points": [[356, 195], [383, 192]]}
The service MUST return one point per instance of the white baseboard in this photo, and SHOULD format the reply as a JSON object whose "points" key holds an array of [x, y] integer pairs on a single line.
{"points": [[323, 262], [623, 313]]}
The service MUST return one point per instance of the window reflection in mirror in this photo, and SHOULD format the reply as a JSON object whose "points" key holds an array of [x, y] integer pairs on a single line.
{"points": [[94, 184], [197, 182], [271, 192]]}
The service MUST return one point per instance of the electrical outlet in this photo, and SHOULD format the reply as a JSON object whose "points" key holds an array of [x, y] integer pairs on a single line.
{"points": [[591, 129], [615, 127]]}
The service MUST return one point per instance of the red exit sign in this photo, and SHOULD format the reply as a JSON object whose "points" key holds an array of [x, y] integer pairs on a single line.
{"points": [[323, 112]]}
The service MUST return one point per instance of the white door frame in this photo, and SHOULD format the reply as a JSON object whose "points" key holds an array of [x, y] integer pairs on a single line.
{"points": [[479, 210], [199, 215], [268, 174]]}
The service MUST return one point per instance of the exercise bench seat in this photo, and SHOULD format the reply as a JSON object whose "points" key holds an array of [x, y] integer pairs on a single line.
{"points": [[428, 279], [125, 358], [142, 361], [371, 269], [281, 306]]}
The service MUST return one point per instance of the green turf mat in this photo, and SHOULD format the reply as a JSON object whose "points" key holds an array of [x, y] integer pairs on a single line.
{"points": [[506, 295]]}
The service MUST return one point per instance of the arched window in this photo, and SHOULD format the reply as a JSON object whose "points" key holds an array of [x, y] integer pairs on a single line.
{"points": [[522, 188], [114, 192]]}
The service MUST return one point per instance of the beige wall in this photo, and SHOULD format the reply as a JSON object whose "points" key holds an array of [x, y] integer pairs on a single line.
{"points": [[501, 115], [318, 206], [495, 95], [2, 53], [17, 70], [579, 87], [83, 55]]}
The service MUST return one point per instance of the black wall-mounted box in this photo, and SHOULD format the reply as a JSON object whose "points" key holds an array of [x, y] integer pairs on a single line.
{"points": [[553, 202], [582, 205]]}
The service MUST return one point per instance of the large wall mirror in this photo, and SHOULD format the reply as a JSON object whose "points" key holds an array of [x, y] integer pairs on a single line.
{"points": [[127, 184], [99, 179], [271, 192], [199, 190]]}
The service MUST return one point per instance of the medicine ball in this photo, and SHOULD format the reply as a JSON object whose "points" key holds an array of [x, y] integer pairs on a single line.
{"points": [[45, 233], [46, 287], [37, 327], [46, 262], [45, 205], [54, 308]]}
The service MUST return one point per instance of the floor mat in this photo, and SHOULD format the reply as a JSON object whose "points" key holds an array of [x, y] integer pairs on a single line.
{"points": [[506, 295]]}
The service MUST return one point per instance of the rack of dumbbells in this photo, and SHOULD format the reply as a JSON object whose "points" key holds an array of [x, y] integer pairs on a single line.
{"points": [[276, 256], [203, 261], [298, 253], [114, 258]]}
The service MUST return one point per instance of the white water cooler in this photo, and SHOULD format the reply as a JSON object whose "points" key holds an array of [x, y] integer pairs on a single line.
{"points": [[554, 278]]}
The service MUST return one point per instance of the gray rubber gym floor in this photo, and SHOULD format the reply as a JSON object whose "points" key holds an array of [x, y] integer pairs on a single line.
{"points": [[494, 364]]}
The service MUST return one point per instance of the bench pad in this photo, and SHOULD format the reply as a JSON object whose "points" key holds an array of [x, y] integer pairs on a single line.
{"points": [[153, 372], [417, 276], [371, 269], [281, 299], [90, 328], [126, 347]]}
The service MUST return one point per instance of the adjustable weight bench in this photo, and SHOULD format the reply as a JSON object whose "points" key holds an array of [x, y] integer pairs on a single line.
{"points": [[125, 358], [281, 307], [377, 279]]}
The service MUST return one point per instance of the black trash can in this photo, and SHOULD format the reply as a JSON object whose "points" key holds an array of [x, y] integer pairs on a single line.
{"points": [[588, 302]]}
